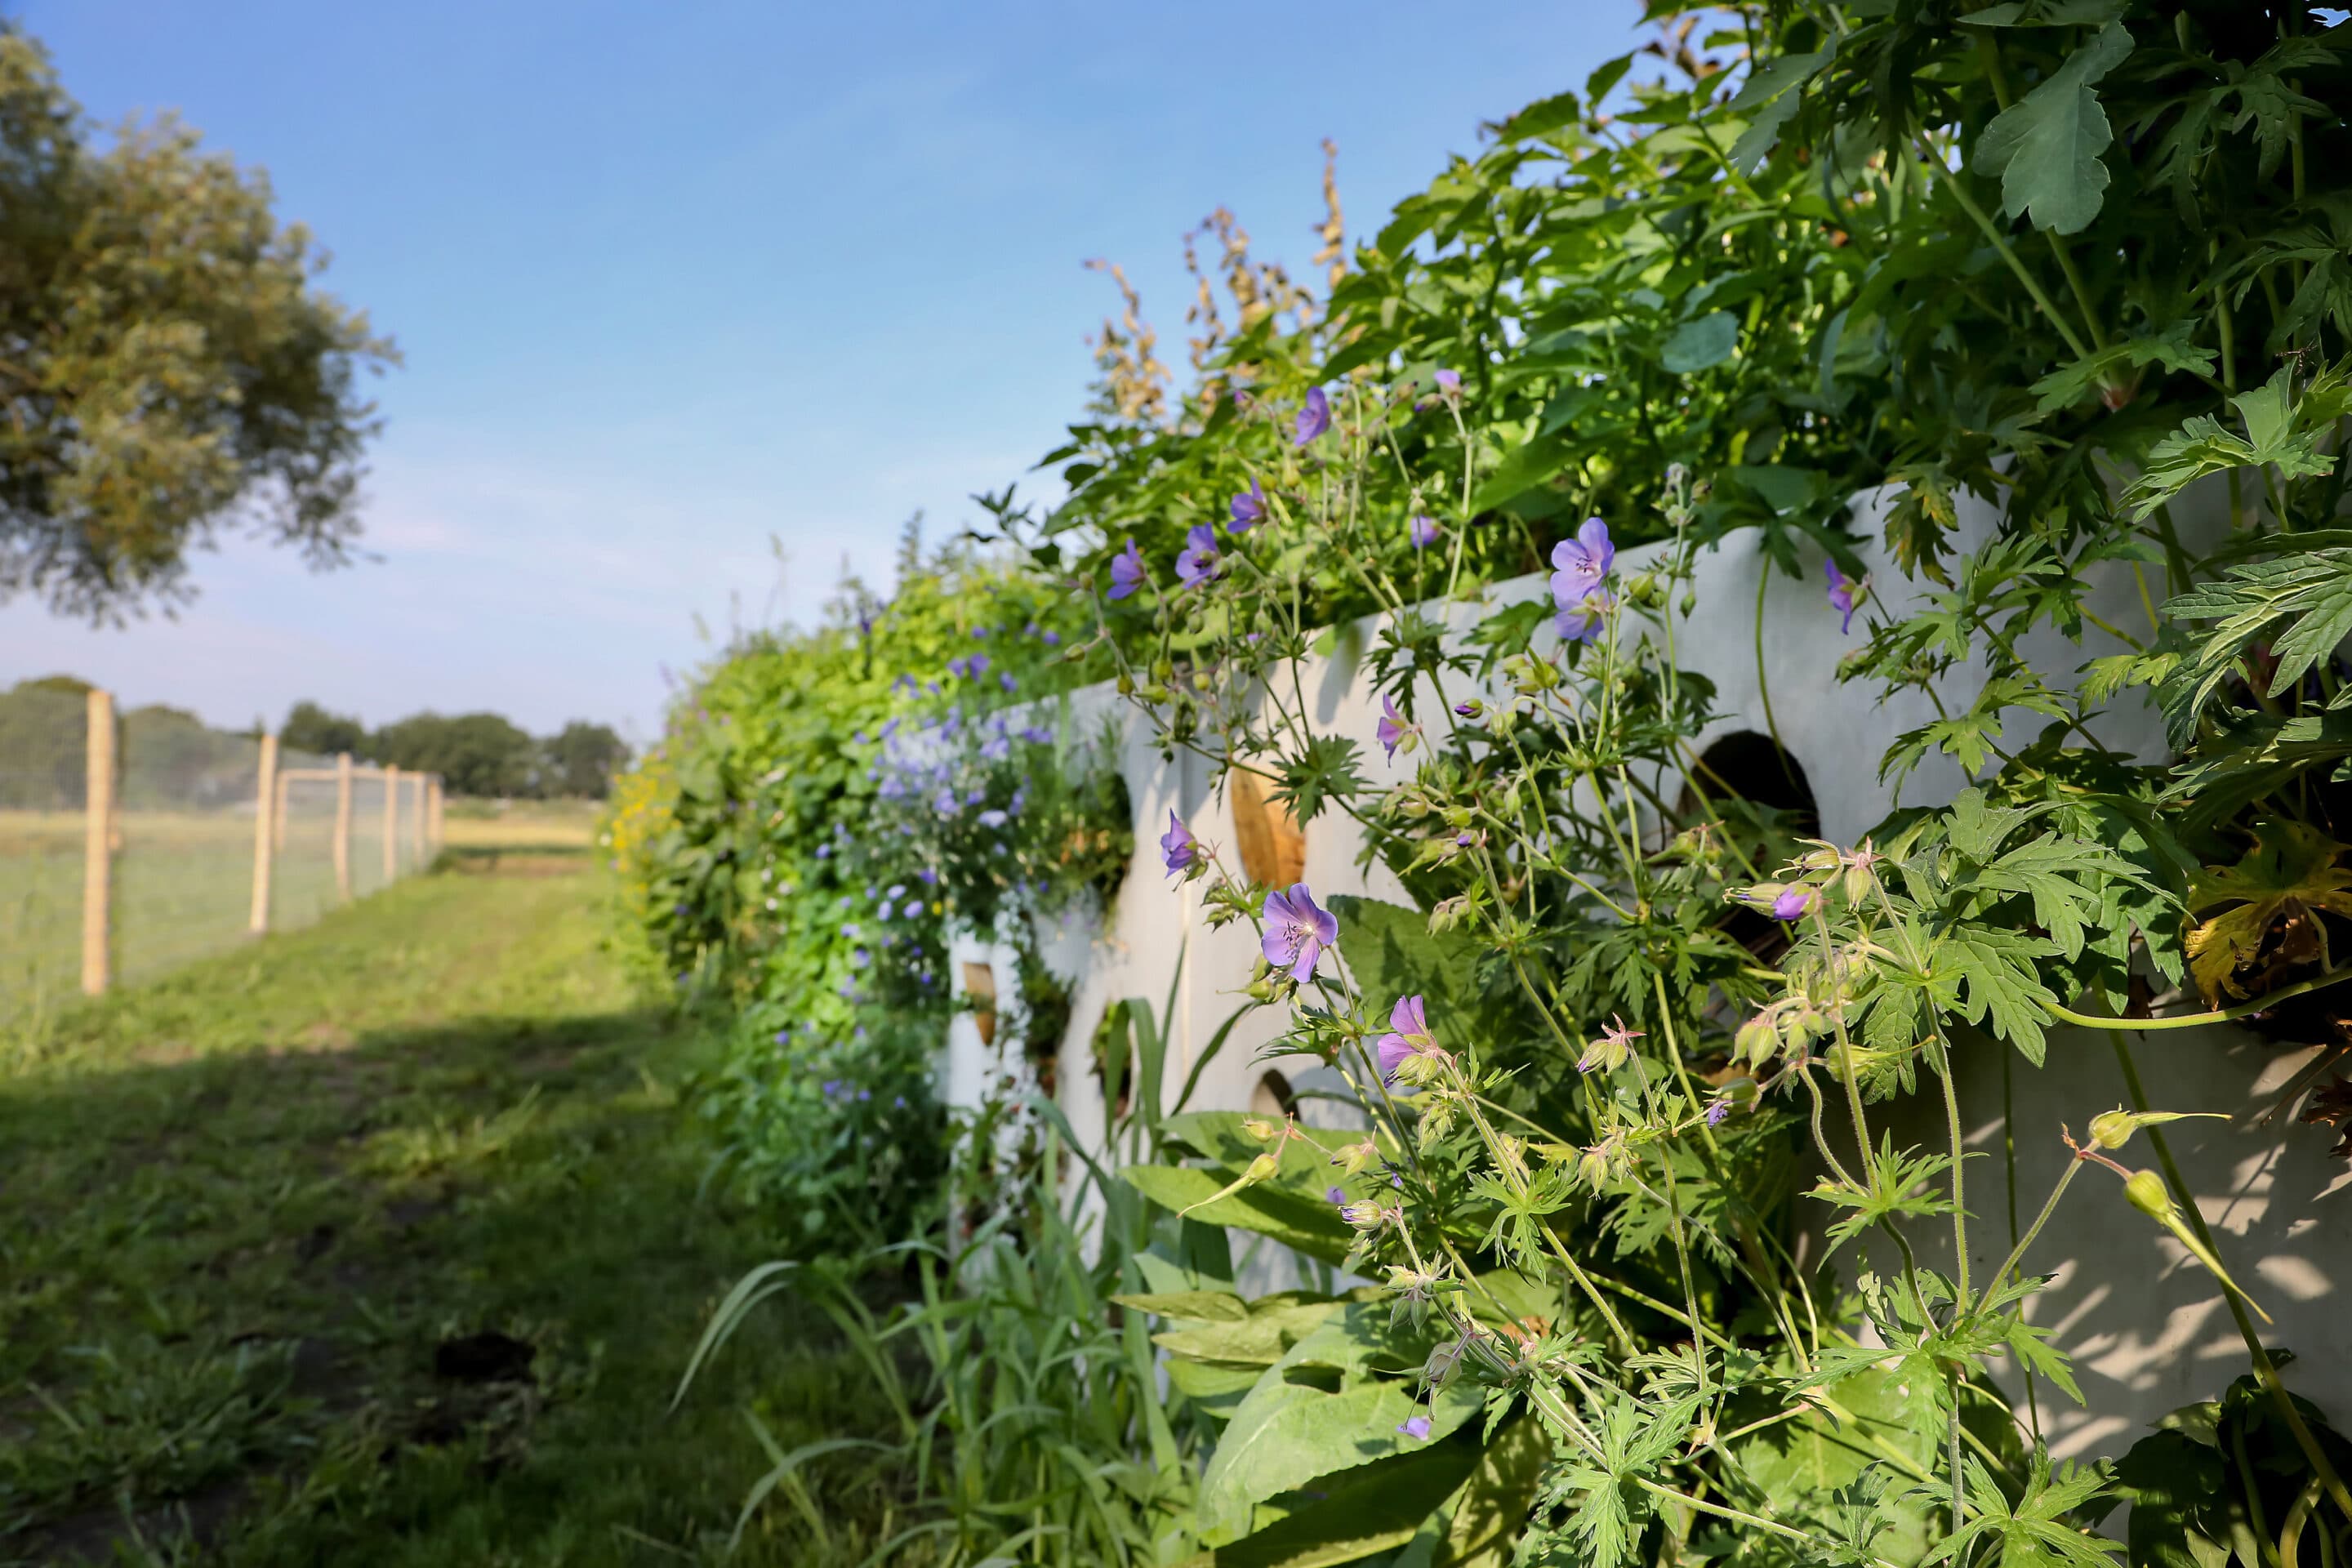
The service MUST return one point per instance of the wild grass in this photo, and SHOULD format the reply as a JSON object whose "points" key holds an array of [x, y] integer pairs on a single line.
{"points": [[385, 1242]]}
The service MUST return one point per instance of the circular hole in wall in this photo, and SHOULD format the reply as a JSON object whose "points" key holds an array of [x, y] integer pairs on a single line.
{"points": [[1745, 765], [1753, 768], [1273, 1098]]}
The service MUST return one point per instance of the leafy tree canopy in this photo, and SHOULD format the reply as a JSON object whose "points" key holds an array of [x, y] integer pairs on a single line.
{"points": [[581, 760], [310, 728], [167, 367]]}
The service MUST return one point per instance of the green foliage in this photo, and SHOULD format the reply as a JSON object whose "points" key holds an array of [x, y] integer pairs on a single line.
{"points": [[483, 754], [2084, 260], [310, 728], [837, 802], [168, 365]]}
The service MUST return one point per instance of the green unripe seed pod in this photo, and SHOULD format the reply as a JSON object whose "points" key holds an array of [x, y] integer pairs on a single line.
{"points": [[2146, 1190], [2113, 1129]]}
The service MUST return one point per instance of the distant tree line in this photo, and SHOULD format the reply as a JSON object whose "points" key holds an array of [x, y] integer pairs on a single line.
{"points": [[476, 754], [169, 756]]}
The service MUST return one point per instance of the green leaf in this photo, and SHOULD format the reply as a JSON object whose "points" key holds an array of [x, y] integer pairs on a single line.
{"points": [[2175, 1486], [2279, 432], [1697, 345], [1370, 1508], [1522, 470], [2301, 605], [1288, 1432], [2291, 871], [1267, 1332], [1314, 1228], [2044, 148], [1193, 1306]]}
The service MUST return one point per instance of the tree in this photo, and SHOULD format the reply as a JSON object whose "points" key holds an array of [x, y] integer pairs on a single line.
{"points": [[582, 759], [167, 367], [44, 734], [475, 754], [310, 728]]}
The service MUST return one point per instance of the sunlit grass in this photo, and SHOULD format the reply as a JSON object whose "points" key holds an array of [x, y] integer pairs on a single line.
{"points": [[244, 1205]]}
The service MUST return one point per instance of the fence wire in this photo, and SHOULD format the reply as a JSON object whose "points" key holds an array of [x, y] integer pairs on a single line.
{"points": [[186, 811], [43, 763]]}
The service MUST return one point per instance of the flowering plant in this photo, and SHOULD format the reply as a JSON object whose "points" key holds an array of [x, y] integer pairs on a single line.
{"points": [[1629, 1008]]}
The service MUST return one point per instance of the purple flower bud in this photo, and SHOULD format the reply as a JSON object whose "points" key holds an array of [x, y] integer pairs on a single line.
{"points": [[1052, 637], [1409, 1035], [1449, 383], [1416, 1427], [1339, 1197], [1393, 728], [1582, 621], [1127, 572], [1423, 531], [1845, 594], [1178, 849], [1315, 417], [1248, 509], [1796, 902]]}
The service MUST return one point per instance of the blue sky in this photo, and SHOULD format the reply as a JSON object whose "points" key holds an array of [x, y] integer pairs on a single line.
{"points": [[670, 281]]}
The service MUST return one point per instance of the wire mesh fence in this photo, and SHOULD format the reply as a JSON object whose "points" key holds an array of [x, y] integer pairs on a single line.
{"points": [[42, 787], [130, 845]]}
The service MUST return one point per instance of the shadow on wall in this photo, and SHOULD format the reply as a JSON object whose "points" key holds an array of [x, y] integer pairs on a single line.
{"points": [[2145, 1326]]}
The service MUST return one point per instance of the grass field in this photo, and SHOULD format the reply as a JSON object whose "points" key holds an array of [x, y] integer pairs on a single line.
{"points": [[383, 1242]]}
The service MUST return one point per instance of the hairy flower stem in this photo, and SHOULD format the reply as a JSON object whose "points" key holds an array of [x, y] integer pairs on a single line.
{"points": [[1992, 1283], [2220, 1016], [2265, 1370]]}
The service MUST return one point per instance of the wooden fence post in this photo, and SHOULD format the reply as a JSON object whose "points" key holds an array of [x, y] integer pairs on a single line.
{"points": [[97, 846], [344, 825], [391, 823], [264, 835]]}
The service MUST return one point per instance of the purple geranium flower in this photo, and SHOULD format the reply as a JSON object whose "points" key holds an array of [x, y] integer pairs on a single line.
{"points": [[1393, 726], [1297, 930], [1409, 1036], [993, 820], [1416, 1427], [1716, 1112], [1248, 509], [1127, 572], [1315, 417], [1449, 383], [1580, 622], [1339, 1197], [1052, 637], [1178, 848], [1795, 902], [1423, 531], [1843, 593], [1198, 559], [913, 907], [1579, 563]]}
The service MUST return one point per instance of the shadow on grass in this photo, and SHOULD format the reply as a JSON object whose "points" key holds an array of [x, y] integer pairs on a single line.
{"points": [[419, 1295]]}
